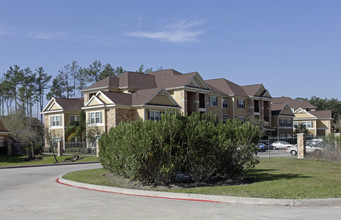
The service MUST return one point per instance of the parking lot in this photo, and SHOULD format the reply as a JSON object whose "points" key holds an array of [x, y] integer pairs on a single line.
{"points": [[273, 153]]}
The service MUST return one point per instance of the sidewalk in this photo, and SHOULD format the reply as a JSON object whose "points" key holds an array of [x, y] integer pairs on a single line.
{"points": [[201, 197], [47, 165]]}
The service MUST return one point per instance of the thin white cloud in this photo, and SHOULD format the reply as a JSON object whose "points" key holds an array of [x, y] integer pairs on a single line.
{"points": [[176, 32], [72, 37], [6, 30], [58, 35]]}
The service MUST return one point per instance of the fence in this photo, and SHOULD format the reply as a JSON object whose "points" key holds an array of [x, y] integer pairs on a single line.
{"points": [[281, 146], [79, 148]]}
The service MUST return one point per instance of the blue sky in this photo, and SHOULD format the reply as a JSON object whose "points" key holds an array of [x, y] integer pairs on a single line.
{"points": [[291, 46]]}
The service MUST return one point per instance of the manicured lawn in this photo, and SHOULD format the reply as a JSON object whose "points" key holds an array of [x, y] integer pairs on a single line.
{"points": [[282, 178], [46, 159]]}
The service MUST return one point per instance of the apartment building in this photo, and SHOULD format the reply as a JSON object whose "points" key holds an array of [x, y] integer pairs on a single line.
{"points": [[133, 96], [318, 123]]}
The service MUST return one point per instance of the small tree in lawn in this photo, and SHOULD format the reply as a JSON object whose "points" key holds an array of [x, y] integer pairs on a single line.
{"points": [[49, 139]]}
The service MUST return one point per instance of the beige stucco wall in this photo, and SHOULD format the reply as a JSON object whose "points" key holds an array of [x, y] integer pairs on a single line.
{"points": [[302, 115], [161, 100], [55, 107], [139, 114], [95, 102]]}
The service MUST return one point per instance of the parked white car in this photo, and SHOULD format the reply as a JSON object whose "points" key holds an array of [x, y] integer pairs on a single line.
{"points": [[281, 145], [309, 149]]}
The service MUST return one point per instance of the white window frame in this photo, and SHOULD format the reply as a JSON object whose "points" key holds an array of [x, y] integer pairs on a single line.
{"points": [[241, 103], [56, 121], [154, 115], [296, 123], [213, 101], [224, 102], [288, 123], [75, 117], [95, 117], [308, 124]]}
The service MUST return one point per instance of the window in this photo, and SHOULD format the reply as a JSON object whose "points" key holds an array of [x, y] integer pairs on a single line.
{"points": [[201, 100], [242, 119], [240, 103], [225, 103], [308, 124], [213, 101], [95, 117], [224, 117], [74, 118], [154, 115], [282, 122], [55, 121], [289, 123], [296, 123]]}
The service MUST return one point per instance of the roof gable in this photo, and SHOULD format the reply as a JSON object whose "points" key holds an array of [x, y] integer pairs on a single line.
{"points": [[256, 90], [153, 96], [301, 113], [94, 101], [197, 82], [52, 105]]}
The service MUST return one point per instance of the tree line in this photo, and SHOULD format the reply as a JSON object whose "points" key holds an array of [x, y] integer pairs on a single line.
{"points": [[22, 89]]}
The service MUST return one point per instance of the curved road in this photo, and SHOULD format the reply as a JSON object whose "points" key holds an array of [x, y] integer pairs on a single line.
{"points": [[32, 193]]}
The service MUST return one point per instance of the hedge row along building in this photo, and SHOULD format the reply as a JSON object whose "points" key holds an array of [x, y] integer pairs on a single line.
{"points": [[134, 96]]}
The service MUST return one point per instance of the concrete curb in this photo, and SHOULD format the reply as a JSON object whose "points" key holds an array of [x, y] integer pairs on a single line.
{"points": [[47, 165], [202, 198]]}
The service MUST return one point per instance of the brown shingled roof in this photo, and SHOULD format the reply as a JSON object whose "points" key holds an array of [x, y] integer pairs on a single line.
{"points": [[251, 90], [141, 97], [326, 114], [227, 87], [109, 82], [70, 104], [293, 103], [171, 78], [277, 106], [136, 80], [119, 98]]}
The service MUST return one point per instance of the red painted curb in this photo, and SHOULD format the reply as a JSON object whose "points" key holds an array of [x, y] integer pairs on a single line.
{"points": [[130, 194]]}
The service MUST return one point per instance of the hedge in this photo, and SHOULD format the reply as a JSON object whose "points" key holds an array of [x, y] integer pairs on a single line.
{"points": [[197, 145]]}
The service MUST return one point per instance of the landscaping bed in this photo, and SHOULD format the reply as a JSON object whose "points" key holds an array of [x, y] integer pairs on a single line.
{"points": [[281, 178], [41, 160]]}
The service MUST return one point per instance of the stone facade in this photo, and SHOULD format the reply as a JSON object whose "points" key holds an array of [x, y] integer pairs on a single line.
{"points": [[123, 115]]}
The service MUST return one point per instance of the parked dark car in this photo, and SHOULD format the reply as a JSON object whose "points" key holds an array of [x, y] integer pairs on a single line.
{"points": [[261, 147]]}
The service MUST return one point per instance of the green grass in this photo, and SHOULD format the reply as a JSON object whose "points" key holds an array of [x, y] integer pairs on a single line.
{"points": [[46, 159], [281, 178]]}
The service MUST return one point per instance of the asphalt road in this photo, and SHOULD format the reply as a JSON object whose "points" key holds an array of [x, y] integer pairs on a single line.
{"points": [[32, 193]]}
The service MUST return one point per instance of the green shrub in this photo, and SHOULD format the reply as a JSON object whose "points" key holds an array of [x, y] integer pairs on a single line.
{"points": [[198, 145]]}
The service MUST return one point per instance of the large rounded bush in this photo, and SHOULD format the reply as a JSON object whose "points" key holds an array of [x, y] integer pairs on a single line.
{"points": [[197, 145]]}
